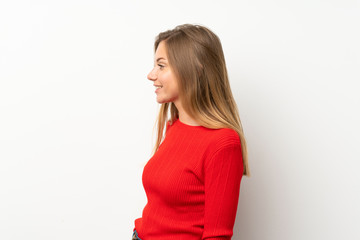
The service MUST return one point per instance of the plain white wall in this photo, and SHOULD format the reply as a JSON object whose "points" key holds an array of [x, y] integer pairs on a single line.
{"points": [[77, 114]]}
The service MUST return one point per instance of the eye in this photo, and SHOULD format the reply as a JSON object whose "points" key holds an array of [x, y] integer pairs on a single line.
{"points": [[161, 66]]}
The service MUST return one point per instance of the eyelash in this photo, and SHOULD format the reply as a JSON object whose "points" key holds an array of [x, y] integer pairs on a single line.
{"points": [[161, 66]]}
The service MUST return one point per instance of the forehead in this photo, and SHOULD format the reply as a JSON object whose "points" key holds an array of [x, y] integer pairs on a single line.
{"points": [[161, 51]]}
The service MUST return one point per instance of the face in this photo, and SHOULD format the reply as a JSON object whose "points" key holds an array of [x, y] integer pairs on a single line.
{"points": [[163, 77]]}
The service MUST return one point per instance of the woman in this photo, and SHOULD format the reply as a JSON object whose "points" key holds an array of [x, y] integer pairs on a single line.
{"points": [[192, 181]]}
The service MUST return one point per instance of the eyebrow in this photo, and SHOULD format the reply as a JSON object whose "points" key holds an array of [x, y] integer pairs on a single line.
{"points": [[160, 59]]}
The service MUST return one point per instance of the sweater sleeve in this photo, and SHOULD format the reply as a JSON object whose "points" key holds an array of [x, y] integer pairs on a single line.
{"points": [[222, 177]]}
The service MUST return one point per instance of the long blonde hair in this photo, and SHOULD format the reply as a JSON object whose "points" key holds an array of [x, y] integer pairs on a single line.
{"points": [[195, 55]]}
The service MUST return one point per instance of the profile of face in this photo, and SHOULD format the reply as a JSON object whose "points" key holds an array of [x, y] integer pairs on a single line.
{"points": [[163, 77]]}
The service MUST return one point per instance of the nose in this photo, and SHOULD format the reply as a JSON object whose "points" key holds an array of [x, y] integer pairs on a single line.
{"points": [[152, 75]]}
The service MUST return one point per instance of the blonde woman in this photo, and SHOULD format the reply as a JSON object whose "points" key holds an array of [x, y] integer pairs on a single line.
{"points": [[192, 181]]}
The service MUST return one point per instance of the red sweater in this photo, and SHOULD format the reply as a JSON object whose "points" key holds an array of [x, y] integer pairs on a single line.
{"points": [[192, 185]]}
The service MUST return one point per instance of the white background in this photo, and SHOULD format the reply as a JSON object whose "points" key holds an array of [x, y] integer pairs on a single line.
{"points": [[77, 113]]}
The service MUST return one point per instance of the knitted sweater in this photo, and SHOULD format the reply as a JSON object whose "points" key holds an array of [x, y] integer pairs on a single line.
{"points": [[192, 185]]}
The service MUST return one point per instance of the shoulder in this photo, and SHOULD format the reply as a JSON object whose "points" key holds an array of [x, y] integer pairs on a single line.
{"points": [[223, 138], [226, 136], [224, 148]]}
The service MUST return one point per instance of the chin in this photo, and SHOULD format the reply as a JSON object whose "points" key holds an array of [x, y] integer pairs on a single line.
{"points": [[160, 100], [166, 99]]}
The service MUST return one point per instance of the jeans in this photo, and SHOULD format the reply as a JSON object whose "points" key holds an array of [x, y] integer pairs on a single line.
{"points": [[135, 236]]}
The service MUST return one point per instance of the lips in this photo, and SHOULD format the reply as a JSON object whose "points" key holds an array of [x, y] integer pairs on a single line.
{"points": [[158, 87]]}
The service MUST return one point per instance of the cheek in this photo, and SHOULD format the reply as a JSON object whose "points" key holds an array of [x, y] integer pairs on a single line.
{"points": [[165, 79], [169, 81]]}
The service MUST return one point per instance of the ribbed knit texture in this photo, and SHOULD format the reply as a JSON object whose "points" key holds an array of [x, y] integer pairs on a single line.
{"points": [[192, 185]]}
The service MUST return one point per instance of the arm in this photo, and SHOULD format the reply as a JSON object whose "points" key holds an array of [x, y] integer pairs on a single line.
{"points": [[223, 173]]}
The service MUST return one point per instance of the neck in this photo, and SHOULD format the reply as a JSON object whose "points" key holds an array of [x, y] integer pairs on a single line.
{"points": [[184, 117]]}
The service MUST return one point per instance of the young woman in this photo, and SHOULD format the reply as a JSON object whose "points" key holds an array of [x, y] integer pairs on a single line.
{"points": [[192, 181]]}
